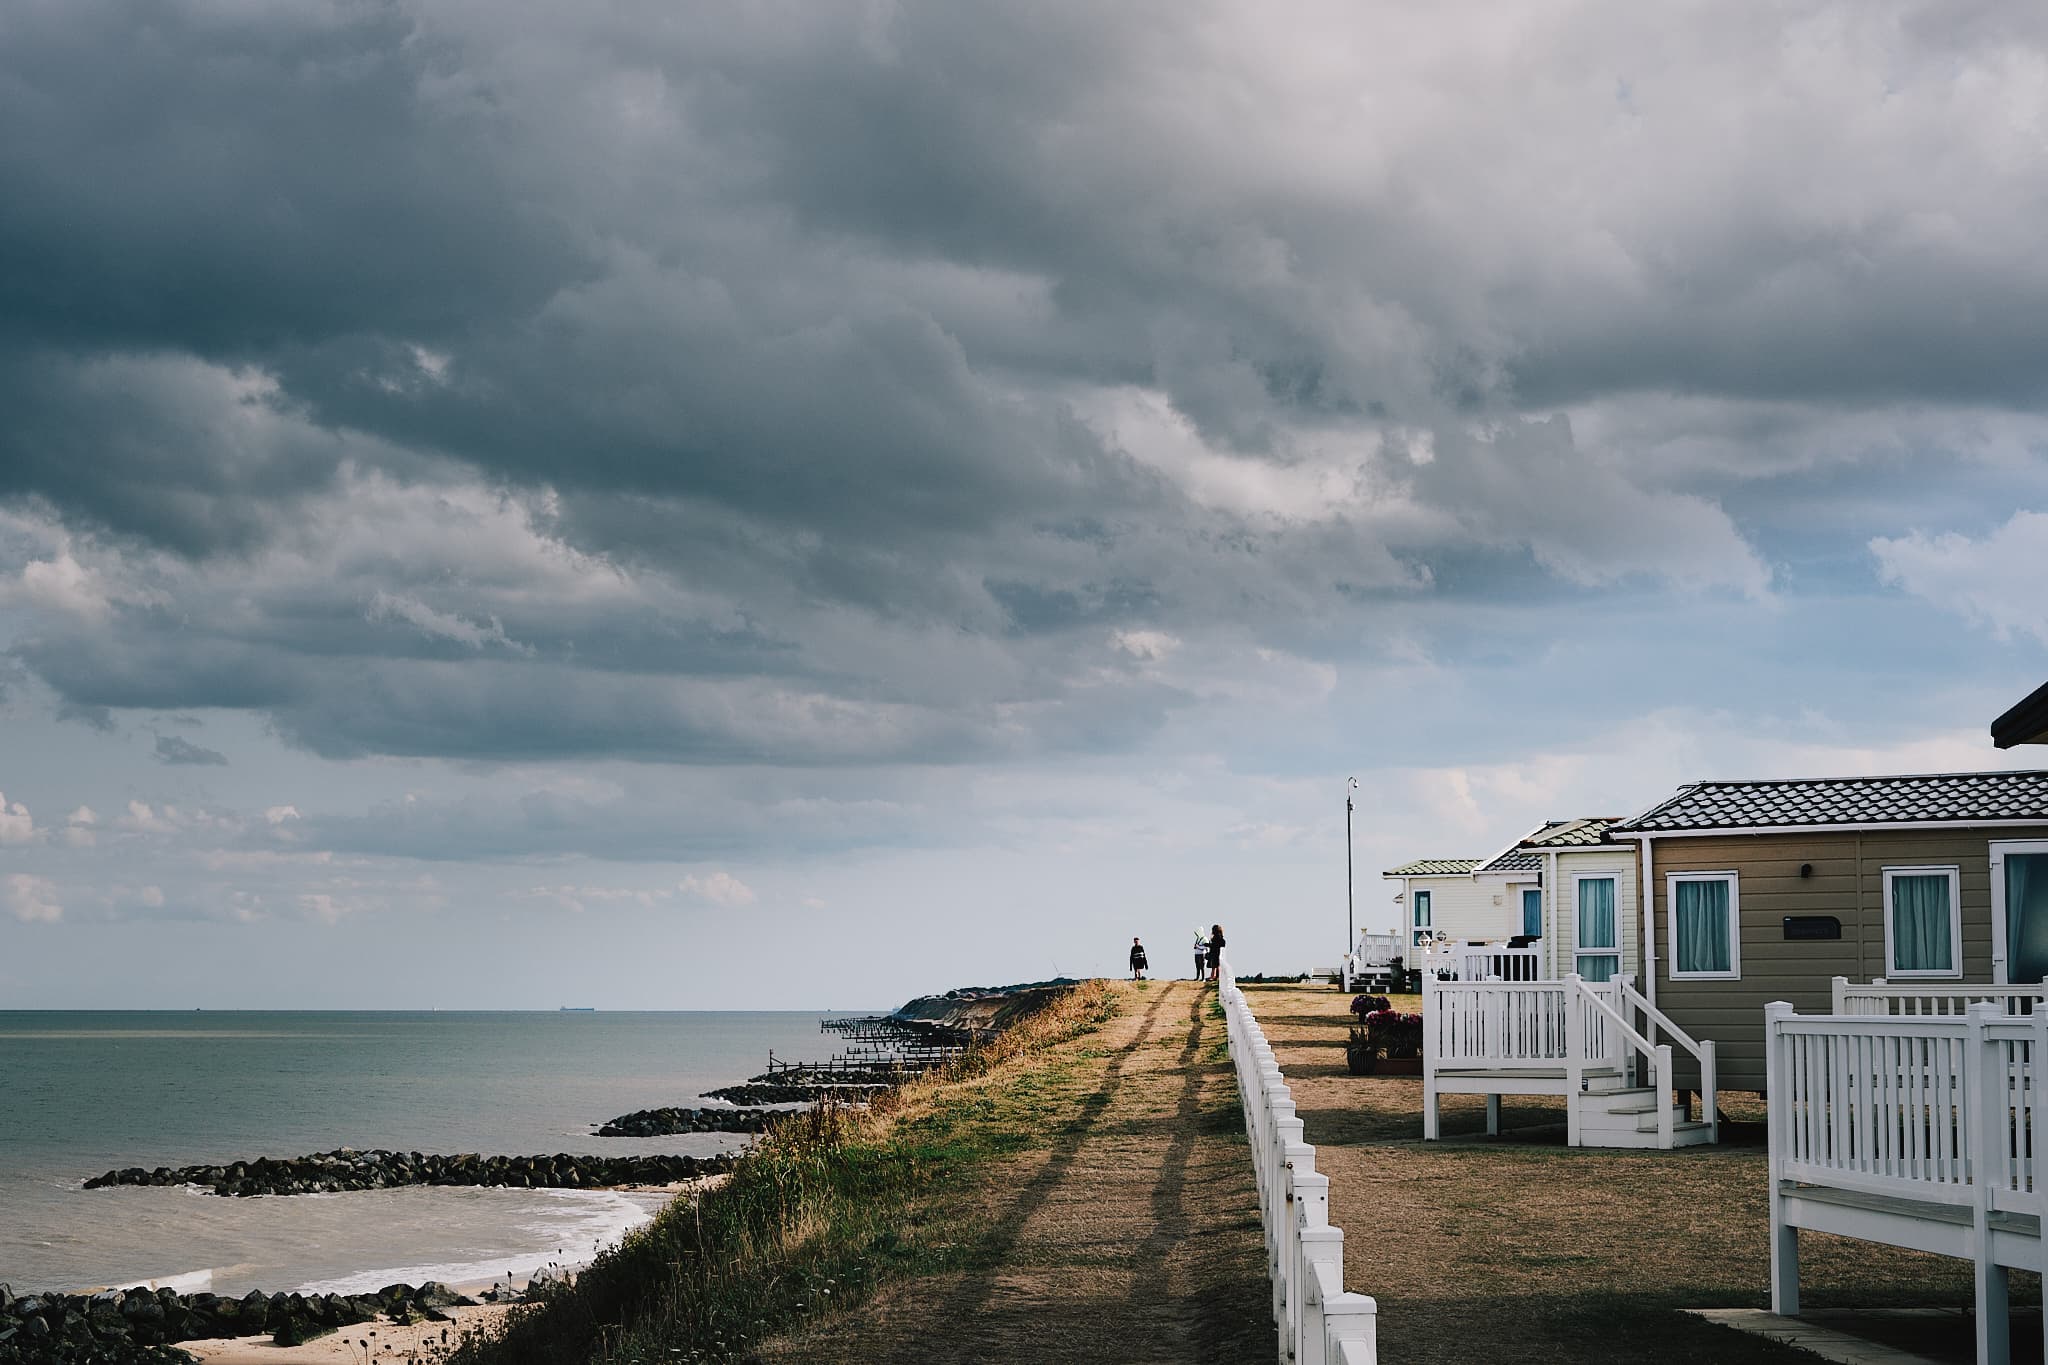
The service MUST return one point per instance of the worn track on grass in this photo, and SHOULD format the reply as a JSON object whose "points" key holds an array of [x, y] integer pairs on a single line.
{"points": [[1134, 1237]]}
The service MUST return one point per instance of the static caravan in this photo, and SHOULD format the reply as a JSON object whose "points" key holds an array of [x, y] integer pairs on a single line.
{"points": [[1440, 900], [1574, 896], [1763, 891]]}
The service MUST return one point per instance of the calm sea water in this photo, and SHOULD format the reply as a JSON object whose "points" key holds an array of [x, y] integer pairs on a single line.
{"points": [[85, 1092]]}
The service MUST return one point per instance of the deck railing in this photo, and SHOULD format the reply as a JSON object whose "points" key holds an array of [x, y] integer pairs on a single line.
{"points": [[1511, 1025], [1939, 1110], [1934, 998], [1571, 1026], [1319, 1323], [1481, 962]]}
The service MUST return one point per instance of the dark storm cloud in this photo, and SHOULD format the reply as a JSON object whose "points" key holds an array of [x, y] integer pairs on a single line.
{"points": [[228, 180], [174, 749], [717, 384]]}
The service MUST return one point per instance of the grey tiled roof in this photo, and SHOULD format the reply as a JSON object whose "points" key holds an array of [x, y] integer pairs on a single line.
{"points": [[1925, 798], [1513, 860], [1571, 833], [1433, 867]]}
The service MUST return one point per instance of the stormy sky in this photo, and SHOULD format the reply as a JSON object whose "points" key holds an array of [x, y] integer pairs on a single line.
{"points": [[693, 506]]}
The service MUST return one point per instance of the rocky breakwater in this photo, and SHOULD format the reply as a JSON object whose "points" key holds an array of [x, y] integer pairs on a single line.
{"points": [[670, 1121], [767, 1092], [131, 1327], [347, 1169]]}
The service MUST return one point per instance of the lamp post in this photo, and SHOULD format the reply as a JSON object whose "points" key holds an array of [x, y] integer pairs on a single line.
{"points": [[1350, 912]]}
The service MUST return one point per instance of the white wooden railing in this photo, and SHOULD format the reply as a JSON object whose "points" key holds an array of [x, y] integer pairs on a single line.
{"points": [[1936, 998], [1635, 1004], [1941, 1110], [1319, 1323], [1371, 955], [1570, 1026], [1481, 962]]}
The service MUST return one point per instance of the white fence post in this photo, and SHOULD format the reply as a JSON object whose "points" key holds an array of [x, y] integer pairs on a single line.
{"points": [[1985, 1094], [1322, 1266], [1574, 1057], [1662, 1095], [1710, 1090], [1778, 1121]]}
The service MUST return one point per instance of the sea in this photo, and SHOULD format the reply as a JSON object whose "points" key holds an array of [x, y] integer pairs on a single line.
{"points": [[87, 1092]]}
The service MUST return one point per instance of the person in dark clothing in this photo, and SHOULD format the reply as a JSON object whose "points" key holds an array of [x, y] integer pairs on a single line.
{"points": [[1215, 950], [1138, 963]]}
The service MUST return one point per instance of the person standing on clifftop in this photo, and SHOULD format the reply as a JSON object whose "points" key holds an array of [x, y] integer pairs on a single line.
{"points": [[1201, 953], [1215, 950], [1138, 963]]}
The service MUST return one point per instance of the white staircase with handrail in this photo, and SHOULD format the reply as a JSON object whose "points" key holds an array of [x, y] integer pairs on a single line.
{"points": [[1568, 1037]]}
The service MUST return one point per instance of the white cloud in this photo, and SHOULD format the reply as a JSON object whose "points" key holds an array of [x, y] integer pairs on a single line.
{"points": [[17, 826], [1146, 646], [277, 815], [441, 624], [31, 899], [325, 906], [142, 818], [81, 828], [721, 888], [2000, 580]]}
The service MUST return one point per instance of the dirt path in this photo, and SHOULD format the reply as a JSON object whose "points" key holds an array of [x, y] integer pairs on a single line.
{"points": [[1133, 1236]]}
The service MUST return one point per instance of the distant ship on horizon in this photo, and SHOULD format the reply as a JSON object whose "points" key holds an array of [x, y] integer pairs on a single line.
{"points": [[579, 1009]]}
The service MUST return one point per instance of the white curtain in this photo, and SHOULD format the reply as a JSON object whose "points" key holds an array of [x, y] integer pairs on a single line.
{"points": [[1701, 909]]}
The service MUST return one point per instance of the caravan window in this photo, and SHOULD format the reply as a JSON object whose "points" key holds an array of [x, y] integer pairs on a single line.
{"points": [[1599, 941], [1922, 931], [1532, 912], [1704, 924], [2019, 909], [1421, 916]]}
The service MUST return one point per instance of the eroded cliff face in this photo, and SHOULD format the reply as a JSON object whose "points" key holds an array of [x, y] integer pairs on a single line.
{"points": [[984, 1008]]}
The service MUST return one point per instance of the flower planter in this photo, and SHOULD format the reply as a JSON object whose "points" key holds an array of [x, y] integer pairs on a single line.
{"points": [[1398, 1066]]}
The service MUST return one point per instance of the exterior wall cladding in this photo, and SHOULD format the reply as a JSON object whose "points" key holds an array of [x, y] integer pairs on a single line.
{"points": [[1848, 883]]}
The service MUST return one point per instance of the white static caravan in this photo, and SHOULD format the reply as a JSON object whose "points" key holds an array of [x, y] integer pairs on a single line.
{"points": [[1439, 899]]}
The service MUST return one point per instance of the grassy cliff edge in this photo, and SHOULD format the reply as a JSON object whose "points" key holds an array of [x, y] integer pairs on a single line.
{"points": [[826, 1208]]}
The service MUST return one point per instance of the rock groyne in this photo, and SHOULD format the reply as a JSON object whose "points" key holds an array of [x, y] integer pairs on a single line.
{"points": [[137, 1325], [668, 1122], [756, 1092], [348, 1169]]}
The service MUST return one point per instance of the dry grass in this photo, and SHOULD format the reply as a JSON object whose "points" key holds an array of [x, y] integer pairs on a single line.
{"points": [[1518, 1247]]}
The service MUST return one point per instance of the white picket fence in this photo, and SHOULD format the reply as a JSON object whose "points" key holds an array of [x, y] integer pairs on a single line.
{"points": [[1917, 1131], [1319, 1323], [1936, 998]]}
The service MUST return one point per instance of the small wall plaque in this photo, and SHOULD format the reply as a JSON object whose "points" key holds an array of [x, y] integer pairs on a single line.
{"points": [[1812, 927]]}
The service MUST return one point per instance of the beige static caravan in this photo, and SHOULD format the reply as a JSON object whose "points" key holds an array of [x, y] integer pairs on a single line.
{"points": [[1762, 891]]}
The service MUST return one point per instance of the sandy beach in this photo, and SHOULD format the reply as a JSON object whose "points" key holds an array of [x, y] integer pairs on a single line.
{"points": [[422, 1341]]}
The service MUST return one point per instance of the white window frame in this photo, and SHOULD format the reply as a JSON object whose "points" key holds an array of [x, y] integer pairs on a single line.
{"points": [[1734, 880], [1955, 922], [1579, 948], [2000, 968], [1421, 915], [1520, 890]]}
